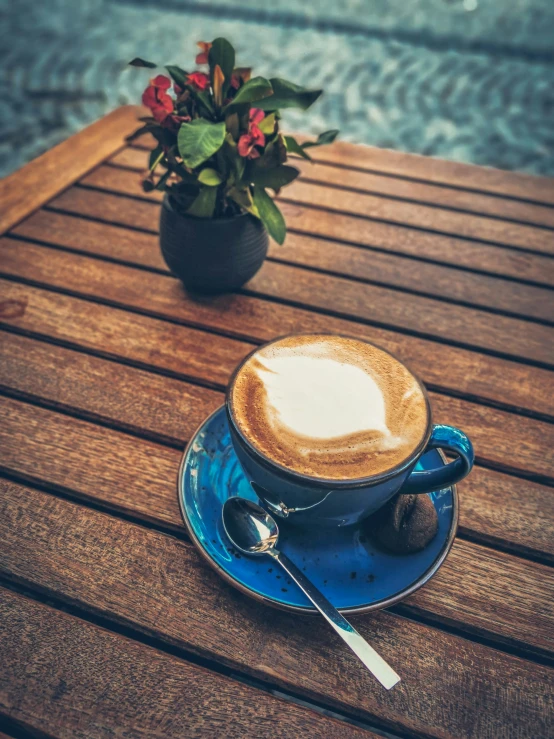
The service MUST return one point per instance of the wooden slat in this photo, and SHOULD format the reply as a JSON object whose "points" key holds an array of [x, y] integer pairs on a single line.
{"points": [[103, 239], [466, 225], [186, 604], [43, 178], [438, 196], [171, 409], [125, 473], [446, 600], [457, 370], [480, 290], [440, 171], [136, 400], [396, 187], [448, 250], [458, 324], [415, 215], [433, 280], [75, 680], [117, 333], [35, 443]]}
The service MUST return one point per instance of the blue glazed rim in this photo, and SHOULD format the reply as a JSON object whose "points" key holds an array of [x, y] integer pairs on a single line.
{"points": [[323, 482], [237, 584]]}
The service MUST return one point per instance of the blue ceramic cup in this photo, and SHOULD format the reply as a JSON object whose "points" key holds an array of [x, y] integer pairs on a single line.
{"points": [[304, 500]]}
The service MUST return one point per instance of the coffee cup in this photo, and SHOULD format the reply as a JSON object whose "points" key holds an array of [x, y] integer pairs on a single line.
{"points": [[328, 428]]}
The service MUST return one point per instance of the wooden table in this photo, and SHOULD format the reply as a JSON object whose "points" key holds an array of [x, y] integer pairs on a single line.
{"points": [[112, 624]]}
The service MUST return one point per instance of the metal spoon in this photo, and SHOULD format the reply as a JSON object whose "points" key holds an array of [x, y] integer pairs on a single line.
{"points": [[255, 532]]}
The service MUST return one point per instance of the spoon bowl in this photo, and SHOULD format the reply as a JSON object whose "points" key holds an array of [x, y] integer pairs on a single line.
{"points": [[249, 527]]}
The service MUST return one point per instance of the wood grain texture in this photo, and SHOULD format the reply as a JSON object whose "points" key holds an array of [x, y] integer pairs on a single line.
{"points": [[74, 680], [136, 400], [399, 239], [454, 369], [437, 280], [108, 467], [27, 189], [504, 589], [40, 444], [448, 250], [422, 192], [432, 280], [431, 318], [466, 176], [463, 225], [394, 187], [374, 207], [159, 585], [458, 324], [120, 334], [171, 409]]}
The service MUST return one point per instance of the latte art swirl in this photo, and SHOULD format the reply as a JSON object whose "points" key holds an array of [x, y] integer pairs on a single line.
{"points": [[329, 406]]}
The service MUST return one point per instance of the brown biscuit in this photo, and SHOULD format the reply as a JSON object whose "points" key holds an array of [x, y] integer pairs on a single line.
{"points": [[406, 524]]}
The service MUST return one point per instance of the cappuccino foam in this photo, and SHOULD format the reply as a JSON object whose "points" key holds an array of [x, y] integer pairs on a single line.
{"points": [[329, 406]]}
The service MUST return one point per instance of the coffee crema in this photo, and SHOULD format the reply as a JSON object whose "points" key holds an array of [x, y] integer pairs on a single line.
{"points": [[329, 407]]}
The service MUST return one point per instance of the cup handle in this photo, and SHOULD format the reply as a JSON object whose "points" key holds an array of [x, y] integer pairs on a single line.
{"points": [[453, 440]]}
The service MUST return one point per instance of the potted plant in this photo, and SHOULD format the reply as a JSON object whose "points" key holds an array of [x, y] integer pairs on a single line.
{"points": [[219, 150]]}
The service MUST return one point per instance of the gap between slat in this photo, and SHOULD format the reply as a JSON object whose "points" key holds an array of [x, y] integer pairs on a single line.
{"points": [[361, 319], [411, 612]]}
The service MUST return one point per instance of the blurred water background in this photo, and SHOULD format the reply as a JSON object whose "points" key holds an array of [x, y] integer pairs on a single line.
{"points": [[469, 80]]}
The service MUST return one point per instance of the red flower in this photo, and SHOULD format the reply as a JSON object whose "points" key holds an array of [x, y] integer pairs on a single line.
{"points": [[156, 98], [199, 80], [202, 57], [254, 137]]}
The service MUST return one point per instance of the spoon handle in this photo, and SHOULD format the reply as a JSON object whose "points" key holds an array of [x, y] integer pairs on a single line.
{"points": [[371, 659]]}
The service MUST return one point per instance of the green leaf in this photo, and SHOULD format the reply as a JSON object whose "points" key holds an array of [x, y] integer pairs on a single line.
{"points": [[288, 95], [274, 155], [327, 137], [178, 75], [199, 140], [138, 62], [222, 53], [231, 154], [210, 177], [203, 97], [156, 156], [232, 125], [294, 147], [267, 126], [274, 178], [255, 89], [243, 197], [271, 216], [204, 204]]}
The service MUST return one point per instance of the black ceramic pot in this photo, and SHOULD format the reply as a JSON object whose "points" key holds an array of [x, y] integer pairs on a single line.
{"points": [[211, 254]]}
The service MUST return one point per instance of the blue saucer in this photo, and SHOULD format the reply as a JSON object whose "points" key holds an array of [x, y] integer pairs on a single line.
{"points": [[355, 574]]}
